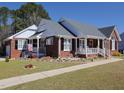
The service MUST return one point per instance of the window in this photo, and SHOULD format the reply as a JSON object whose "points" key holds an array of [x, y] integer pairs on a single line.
{"points": [[34, 42], [90, 43], [67, 45], [113, 44], [21, 44], [49, 41], [16, 44], [81, 43]]}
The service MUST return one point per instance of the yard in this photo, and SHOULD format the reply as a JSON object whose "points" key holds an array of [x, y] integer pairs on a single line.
{"points": [[17, 67], [108, 76]]}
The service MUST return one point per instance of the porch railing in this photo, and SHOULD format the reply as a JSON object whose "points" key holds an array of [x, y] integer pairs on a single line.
{"points": [[34, 49], [107, 52], [91, 51], [101, 52]]}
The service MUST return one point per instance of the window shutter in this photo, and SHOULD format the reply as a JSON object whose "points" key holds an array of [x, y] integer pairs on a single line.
{"points": [[62, 44], [16, 44], [77, 43]]}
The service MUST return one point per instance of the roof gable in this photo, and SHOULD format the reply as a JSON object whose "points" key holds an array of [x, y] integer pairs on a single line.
{"points": [[107, 31], [81, 29], [51, 28], [25, 33]]}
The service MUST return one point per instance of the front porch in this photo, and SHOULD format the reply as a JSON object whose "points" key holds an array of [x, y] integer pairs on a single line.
{"points": [[83, 47], [89, 47], [69, 47]]}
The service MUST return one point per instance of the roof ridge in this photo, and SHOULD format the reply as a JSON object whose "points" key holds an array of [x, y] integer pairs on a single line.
{"points": [[107, 26]]}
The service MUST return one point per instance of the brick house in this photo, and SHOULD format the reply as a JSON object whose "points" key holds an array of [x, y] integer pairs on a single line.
{"points": [[65, 38]]}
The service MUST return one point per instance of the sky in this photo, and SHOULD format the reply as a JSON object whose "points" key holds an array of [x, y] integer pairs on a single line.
{"points": [[98, 14]]}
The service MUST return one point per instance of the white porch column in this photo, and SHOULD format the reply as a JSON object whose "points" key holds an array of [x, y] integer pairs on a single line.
{"points": [[59, 46], [98, 46], [86, 45], [37, 47], [103, 46]]}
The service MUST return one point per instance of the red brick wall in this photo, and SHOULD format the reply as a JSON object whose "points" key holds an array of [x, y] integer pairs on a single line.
{"points": [[52, 50], [92, 55], [14, 52], [88, 56], [66, 54]]}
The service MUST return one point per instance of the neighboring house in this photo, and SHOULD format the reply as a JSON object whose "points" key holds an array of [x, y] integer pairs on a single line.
{"points": [[121, 44], [66, 38]]}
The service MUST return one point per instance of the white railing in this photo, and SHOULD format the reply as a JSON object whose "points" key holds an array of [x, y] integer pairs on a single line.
{"points": [[91, 51], [107, 52], [34, 49], [81, 51], [101, 51]]}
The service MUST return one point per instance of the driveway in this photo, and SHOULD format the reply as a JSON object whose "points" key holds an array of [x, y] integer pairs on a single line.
{"points": [[45, 74]]}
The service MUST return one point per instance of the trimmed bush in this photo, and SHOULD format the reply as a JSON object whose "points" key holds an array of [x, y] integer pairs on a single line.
{"points": [[7, 59], [29, 66], [116, 53]]}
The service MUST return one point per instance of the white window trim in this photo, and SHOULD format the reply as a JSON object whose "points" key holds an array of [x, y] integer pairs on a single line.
{"points": [[113, 44], [81, 43], [21, 44], [67, 45]]}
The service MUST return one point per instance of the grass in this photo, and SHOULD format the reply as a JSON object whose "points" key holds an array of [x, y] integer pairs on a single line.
{"points": [[108, 76], [15, 68]]}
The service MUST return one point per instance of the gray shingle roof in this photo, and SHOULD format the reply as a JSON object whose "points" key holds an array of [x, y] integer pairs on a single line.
{"points": [[81, 29], [52, 28], [107, 30]]}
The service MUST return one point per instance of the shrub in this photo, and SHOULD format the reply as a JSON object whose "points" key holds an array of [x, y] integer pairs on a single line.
{"points": [[29, 66], [7, 59], [92, 59], [116, 53]]}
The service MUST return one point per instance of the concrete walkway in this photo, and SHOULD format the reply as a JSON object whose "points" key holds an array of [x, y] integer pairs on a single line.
{"points": [[4, 83], [2, 59]]}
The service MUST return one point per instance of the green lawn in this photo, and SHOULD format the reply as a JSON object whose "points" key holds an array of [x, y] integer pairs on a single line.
{"points": [[108, 76], [14, 68]]}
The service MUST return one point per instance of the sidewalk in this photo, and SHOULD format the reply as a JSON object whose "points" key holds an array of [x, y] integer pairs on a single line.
{"points": [[2, 59], [4, 83]]}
